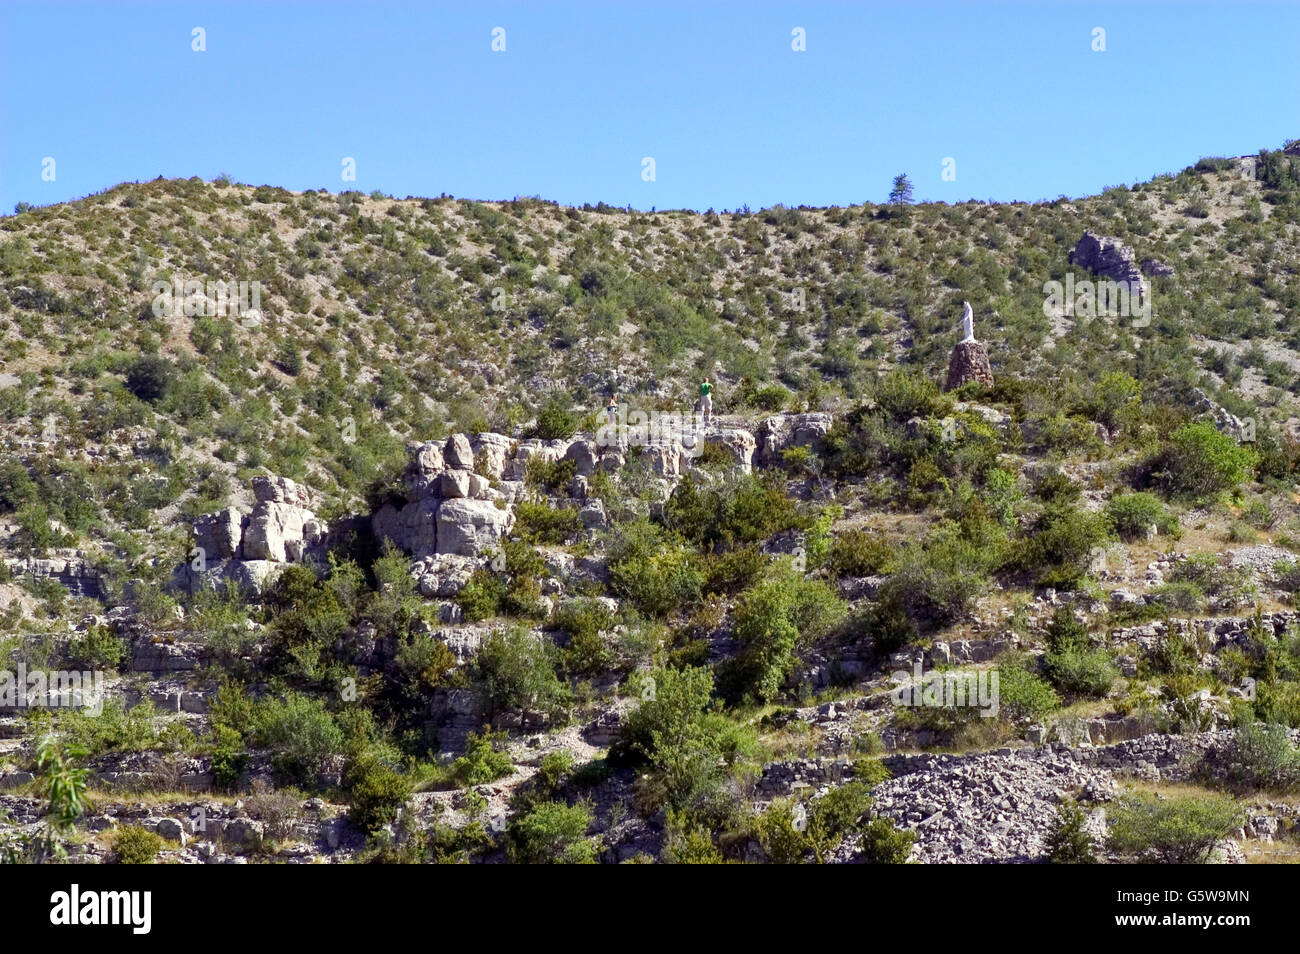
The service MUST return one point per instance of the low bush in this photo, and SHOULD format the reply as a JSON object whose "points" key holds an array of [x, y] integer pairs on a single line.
{"points": [[652, 570], [134, 845], [687, 747], [481, 762], [515, 670], [551, 833], [537, 522], [1021, 694], [775, 616], [555, 420], [1068, 840], [859, 553], [1134, 515], [300, 734], [376, 792], [1173, 830], [584, 621], [744, 509], [97, 648], [1262, 757], [1199, 461]]}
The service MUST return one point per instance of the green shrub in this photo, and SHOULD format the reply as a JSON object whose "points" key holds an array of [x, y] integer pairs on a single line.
{"points": [[515, 670], [97, 648], [686, 745], [114, 729], [481, 762], [556, 419], [767, 397], [870, 772], [480, 598], [584, 620], [553, 475], [16, 485], [134, 845], [551, 833], [1206, 572], [1021, 694], [229, 757], [773, 618], [687, 842], [1177, 830], [149, 377], [1133, 514], [883, 843], [1082, 672], [936, 581], [1059, 550], [657, 574], [539, 523], [553, 771], [901, 395], [1200, 462], [734, 570], [1068, 840], [307, 617], [791, 832], [859, 553], [744, 509], [1263, 757], [301, 735], [376, 792]]}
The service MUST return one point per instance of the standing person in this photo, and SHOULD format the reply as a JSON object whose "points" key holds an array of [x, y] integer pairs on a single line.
{"points": [[706, 401], [611, 410]]}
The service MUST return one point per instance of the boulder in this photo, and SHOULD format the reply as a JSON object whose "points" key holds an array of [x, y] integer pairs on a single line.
{"points": [[76, 575], [458, 452], [584, 454], [281, 490], [738, 442], [171, 829], [413, 528], [665, 458], [452, 483], [783, 431], [219, 534], [280, 532], [593, 515], [445, 574], [491, 451], [517, 466], [479, 487], [471, 527]]}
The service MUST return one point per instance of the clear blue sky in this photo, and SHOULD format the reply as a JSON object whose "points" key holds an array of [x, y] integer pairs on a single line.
{"points": [[712, 91]]}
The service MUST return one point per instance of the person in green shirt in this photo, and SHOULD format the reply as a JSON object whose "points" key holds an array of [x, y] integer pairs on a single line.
{"points": [[611, 409], [706, 401]]}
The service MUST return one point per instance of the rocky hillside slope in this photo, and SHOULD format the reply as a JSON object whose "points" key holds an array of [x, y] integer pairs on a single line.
{"points": [[361, 570]]}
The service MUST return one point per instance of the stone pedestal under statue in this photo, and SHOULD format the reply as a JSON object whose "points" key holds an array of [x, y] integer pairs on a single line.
{"points": [[969, 362]]}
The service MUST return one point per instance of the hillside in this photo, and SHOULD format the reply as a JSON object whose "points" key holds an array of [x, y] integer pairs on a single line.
{"points": [[368, 581]]}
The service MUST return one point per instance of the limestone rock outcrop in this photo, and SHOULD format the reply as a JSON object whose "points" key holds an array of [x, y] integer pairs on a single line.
{"points": [[75, 573], [219, 534], [471, 527], [783, 431], [281, 528], [1110, 258], [451, 508]]}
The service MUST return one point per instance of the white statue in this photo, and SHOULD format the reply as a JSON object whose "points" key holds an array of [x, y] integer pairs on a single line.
{"points": [[968, 323]]}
